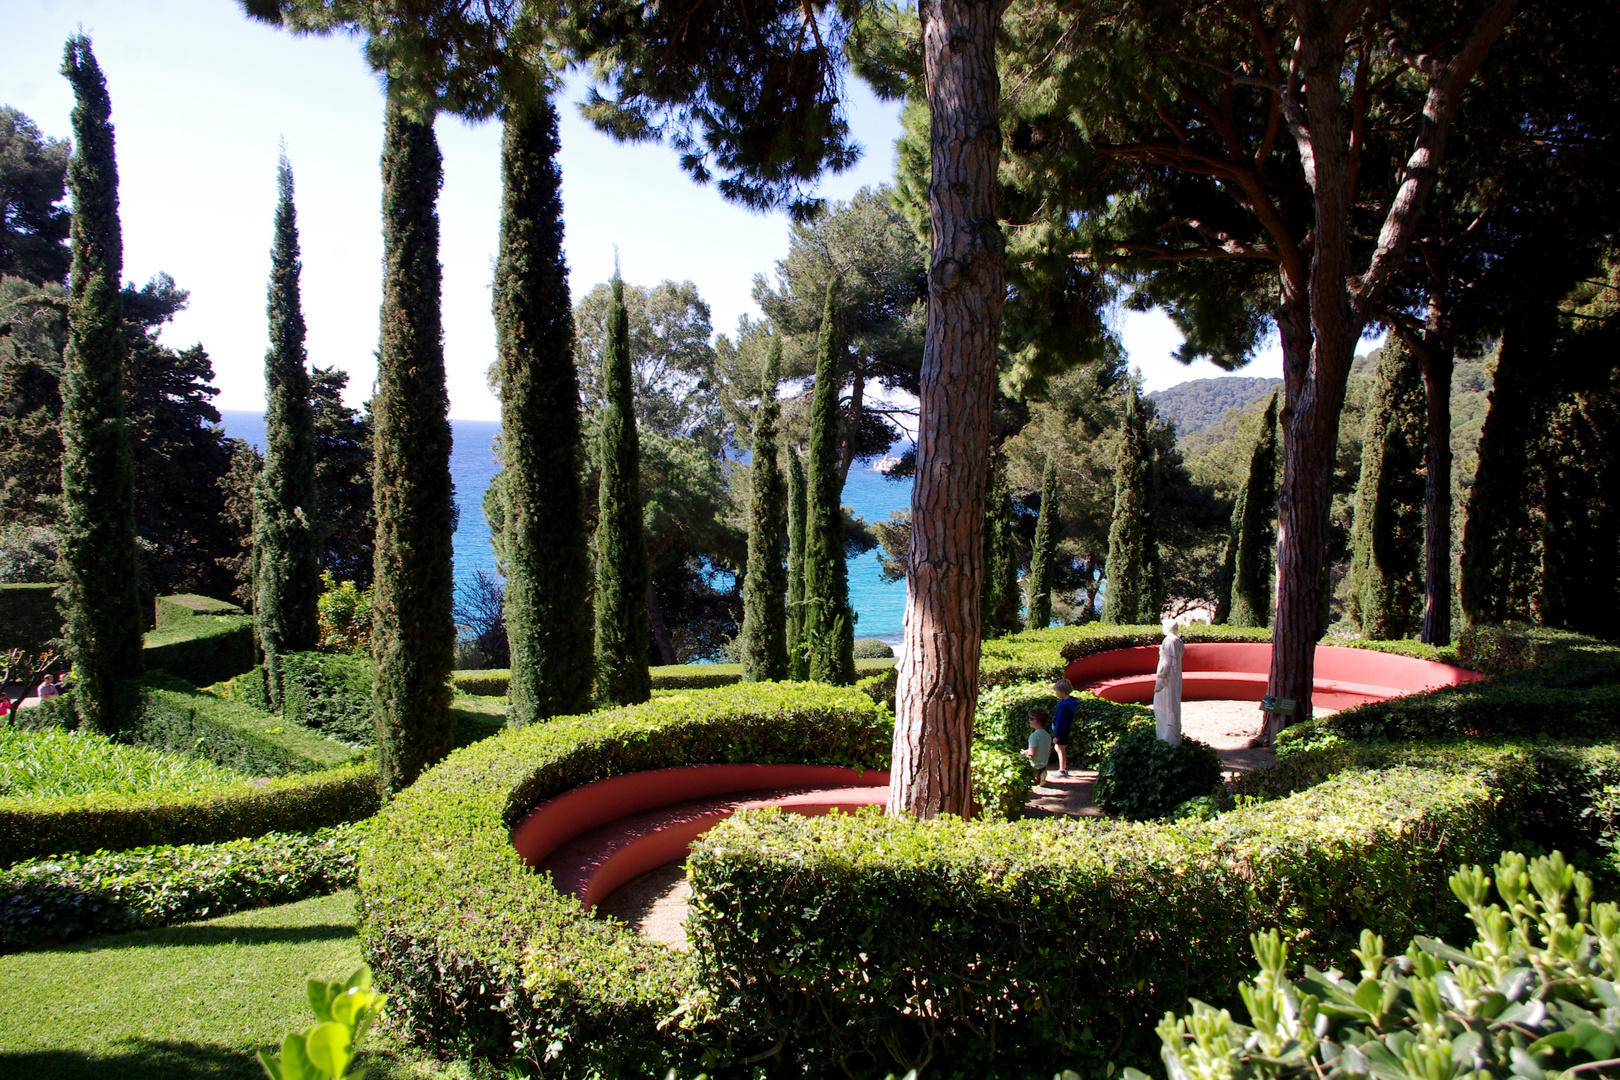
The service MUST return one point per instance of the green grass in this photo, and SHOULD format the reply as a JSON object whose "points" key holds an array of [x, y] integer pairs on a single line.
{"points": [[55, 763], [182, 1003]]}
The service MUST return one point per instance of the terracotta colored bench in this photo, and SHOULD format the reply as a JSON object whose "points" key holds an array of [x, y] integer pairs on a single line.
{"points": [[599, 836], [1238, 671]]}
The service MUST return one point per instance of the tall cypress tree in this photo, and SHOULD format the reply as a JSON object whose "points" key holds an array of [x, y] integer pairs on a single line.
{"points": [[1253, 538], [1386, 560], [286, 564], [1581, 530], [999, 593], [829, 624], [413, 634], [798, 512], [1135, 577], [764, 627], [98, 479], [546, 543], [623, 625], [1044, 554]]}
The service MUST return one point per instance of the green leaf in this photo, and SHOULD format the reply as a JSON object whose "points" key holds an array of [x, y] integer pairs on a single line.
{"points": [[295, 1063], [320, 999], [328, 1047], [271, 1065]]}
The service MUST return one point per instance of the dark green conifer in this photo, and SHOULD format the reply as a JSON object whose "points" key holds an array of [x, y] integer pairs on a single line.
{"points": [[999, 593], [798, 512], [98, 481], [1135, 578], [545, 542], [829, 624], [1044, 553], [1386, 558], [764, 627], [1581, 530], [623, 625], [413, 634], [1253, 538], [286, 565]]}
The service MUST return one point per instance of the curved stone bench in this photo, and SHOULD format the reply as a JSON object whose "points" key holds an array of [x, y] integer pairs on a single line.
{"points": [[1239, 671], [601, 835]]}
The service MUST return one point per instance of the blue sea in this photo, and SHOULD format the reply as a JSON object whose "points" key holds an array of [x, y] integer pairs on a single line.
{"points": [[880, 607]]}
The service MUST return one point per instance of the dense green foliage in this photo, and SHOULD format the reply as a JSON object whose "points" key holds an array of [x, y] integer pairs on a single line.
{"points": [[53, 763], [344, 1011], [999, 599], [101, 594], [798, 513], [1002, 717], [829, 623], [1200, 404], [29, 619], [234, 732], [623, 626], [1386, 560], [546, 555], [205, 649], [176, 612], [342, 479], [413, 635], [763, 642], [1143, 777], [1134, 576], [35, 222], [330, 693], [70, 896], [286, 564], [1246, 572], [1043, 552]]}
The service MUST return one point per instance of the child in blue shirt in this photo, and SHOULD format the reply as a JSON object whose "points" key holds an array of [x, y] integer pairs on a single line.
{"points": [[1063, 722]]}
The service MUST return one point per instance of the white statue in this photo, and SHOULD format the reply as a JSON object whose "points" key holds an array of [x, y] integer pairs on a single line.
{"points": [[1167, 686]]}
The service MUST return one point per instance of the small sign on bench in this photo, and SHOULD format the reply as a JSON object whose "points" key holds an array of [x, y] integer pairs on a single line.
{"points": [[1271, 703]]}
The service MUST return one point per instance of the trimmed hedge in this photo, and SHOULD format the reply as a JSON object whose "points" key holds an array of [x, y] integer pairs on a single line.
{"points": [[36, 828], [1002, 716], [493, 682], [330, 693], [233, 733], [1143, 777], [490, 683], [107, 893], [28, 617], [203, 649], [179, 609]]}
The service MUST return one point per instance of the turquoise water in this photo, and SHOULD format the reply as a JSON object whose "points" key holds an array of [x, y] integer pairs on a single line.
{"points": [[880, 608]]}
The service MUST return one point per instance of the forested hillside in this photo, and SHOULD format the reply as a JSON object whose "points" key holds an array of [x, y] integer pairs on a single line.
{"points": [[1202, 403]]}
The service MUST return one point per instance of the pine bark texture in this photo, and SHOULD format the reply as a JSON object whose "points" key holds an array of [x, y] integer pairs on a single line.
{"points": [[829, 624], [547, 543], [939, 665], [1000, 614], [286, 560], [412, 630], [798, 512], [764, 627], [1133, 571], [98, 551], [1254, 531], [623, 627], [1043, 555], [1387, 538]]}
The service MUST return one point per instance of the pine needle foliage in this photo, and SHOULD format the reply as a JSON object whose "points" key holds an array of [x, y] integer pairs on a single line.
{"points": [[98, 480], [1135, 577], [798, 512], [1044, 553], [623, 625], [764, 627], [829, 624], [1386, 560], [999, 593], [413, 633], [286, 563], [1253, 538], [546, 541]]}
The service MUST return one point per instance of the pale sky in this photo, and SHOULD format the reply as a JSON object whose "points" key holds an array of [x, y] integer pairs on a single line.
{"points": [[202, 99]]}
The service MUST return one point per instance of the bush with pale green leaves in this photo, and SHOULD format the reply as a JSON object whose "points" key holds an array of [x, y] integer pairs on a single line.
{"points": [[344, 1011]]}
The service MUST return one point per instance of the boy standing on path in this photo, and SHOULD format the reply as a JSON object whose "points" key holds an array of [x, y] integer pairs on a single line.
{"points": [[1040, 742], [1063, 722]]}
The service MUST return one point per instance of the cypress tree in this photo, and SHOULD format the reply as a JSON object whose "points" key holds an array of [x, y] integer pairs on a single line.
{"points": [[1386, 560], [999, 593], [623, 625], [829, 625], [413, 633], [1044, 554], [98, 480], [1135, 578], [545, 541], [764, 627], [798, 511], [1581, 530], [1253, 539], [286, 566]]}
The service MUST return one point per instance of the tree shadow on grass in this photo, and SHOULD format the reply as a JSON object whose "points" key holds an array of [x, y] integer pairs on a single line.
{"points": [[140, 1059], [204, 935]]}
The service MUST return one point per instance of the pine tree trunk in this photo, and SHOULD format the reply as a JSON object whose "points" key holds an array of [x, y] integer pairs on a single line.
{"points": [[939, 666]]}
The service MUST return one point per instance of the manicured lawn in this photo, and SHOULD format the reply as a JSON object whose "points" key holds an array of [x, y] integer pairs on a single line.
{"points": [[180, 1003]]}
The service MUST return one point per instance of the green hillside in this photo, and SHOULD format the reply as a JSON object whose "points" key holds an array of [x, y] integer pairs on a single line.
{"points": [[1202, 403]]}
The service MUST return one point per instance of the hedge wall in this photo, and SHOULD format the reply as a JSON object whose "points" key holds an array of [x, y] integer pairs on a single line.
{"points": [[1002, 717], [202, 649], [28, 617], [178, 610], [330, 693], [493, 682], [174, 716]]}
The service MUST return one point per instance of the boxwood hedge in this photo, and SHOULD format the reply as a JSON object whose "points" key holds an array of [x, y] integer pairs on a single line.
{"points": [[1002, 716], [203, 649]]}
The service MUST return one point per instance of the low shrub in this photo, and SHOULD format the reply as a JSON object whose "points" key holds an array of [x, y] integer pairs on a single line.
{"points": [[179, 609], [1003, 716], [344, 1012], [1143, 777], [330, 693], [1002, 781], [36, 828], [1473, 710], [202, 649], [490, 683], [868, 648], [29, 619], [54, 762], [695, 676], [107, 893], [881, 686], [174, 716]]}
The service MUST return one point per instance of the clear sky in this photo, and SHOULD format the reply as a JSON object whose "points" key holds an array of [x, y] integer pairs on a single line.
{"points": [[202, 99]]}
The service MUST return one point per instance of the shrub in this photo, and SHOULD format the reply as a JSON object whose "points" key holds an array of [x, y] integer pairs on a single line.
{"points": [[1003, 716], [695, 676], [179, 609], [106, 893], [490, 683], [880, 687], [1145, 777], [344, 1012], [28, 555], [345, 616], [53, 763], [868, 648], [232, 733], [203, 649], [28, 617], [35, 828], [1002, 781], [330, 693]]}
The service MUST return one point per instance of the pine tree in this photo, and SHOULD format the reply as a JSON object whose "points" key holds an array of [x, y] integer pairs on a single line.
{"points": [[1386, 560], [286, 566], [98, 488], [1253, 538], [1135, 579], [999, 593], [1044, 554], [545, 540], [413, 634], [764, 628], [829, 624], [798, 511], [623, 626]]}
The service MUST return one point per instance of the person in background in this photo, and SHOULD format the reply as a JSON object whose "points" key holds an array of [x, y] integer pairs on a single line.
{"points": [[1063, 721], [47, 688], [1040, 742]]}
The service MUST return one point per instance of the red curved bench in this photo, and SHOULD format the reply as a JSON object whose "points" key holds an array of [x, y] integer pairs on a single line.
{"points": [[1214, 670], [598, 836]]}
